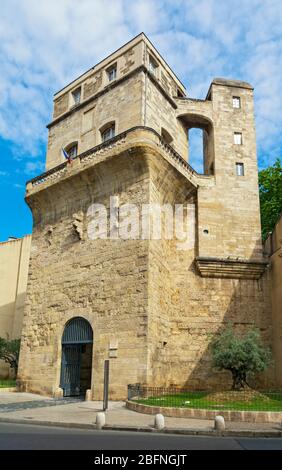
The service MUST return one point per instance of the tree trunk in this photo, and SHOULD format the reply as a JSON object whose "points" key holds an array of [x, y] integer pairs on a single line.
{"points": [[238, 381]]}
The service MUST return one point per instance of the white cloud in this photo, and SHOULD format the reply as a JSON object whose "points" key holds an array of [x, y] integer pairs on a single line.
{"points": [[244, 41], [33, 167], [44, 45]]}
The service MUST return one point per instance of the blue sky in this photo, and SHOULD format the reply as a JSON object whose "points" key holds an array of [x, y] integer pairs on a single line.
{"points": [[47, 44]]}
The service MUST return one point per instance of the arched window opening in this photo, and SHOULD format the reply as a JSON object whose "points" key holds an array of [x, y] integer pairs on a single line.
{"points": [[71, 150], [200, 142], [196, 149], [200, 151], [108, 131]]}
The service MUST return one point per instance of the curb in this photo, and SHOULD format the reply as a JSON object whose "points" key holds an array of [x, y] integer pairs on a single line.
{"points": [[8, 389], [259, 417], [179, 431]]}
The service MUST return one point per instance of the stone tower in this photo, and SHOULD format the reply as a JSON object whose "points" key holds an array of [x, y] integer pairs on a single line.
{"points": [[151, 304]]}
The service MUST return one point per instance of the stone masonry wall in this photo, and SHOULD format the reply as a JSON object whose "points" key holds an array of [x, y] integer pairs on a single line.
{"points": [[104, 281], [145, 297], [159, 113], [120, 104], [186, 310], [146, 300]]}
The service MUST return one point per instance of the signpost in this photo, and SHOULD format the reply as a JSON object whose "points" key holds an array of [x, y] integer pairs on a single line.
{"points": [[106, 385]]}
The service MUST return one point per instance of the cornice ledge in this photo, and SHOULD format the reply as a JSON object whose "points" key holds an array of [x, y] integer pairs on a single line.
{"points": [[231, 268]]}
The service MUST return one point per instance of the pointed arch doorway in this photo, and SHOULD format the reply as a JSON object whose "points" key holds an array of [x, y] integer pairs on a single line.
{"points": [[76, 364]]}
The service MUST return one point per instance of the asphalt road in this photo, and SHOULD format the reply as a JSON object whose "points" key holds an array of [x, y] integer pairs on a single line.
{"points": [[28, 437]]}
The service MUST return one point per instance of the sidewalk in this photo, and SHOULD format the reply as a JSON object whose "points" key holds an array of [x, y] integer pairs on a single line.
{"points": [[29, 408]]}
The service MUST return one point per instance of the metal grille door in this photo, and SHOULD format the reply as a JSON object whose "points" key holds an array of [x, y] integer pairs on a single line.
{"points": [[77, 333], [70, 372]]}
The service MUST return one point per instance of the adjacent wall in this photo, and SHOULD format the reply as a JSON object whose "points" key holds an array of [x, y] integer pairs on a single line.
{"points": [[273, 247], [14, 260]]}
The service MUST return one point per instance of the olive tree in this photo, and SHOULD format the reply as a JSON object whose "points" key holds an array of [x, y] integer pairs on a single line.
{"points": [[9, 352], [241, 356]]}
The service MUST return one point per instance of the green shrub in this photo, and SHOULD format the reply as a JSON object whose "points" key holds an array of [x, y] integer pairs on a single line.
{"points": [[241, 356], [9, 352]]}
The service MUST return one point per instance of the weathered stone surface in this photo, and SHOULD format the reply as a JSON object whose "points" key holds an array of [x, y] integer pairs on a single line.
{"points": [[130, 100], [61, 105], [145, 296]]}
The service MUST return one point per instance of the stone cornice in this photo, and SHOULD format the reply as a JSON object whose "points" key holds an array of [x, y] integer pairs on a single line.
{"points": [[112, 85], [231, 268], [128, 139]]}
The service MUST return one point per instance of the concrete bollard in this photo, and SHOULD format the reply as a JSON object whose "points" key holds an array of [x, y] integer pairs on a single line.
{"points": [[88, 395], [59, 393], [100, 420], [219, 423], [159, 421]]}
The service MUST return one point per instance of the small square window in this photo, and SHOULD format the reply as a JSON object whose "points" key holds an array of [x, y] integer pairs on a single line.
{"points": [[153, 66], [76, 96], [108, 133], [240, 169], [237, 138], [236, 102], [112, 73]]}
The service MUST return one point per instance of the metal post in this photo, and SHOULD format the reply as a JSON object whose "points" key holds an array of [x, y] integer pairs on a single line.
{"points": [[106, 384]]}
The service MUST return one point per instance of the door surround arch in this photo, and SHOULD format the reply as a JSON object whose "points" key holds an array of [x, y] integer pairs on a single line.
{"points": [[76, 357]]}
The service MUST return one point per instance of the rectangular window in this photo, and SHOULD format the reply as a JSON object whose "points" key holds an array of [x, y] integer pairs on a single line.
{"points": [[240, 169], [76, 96], [236, 102], [153, 66], [237, 138], [112, 73], [108, 133]]}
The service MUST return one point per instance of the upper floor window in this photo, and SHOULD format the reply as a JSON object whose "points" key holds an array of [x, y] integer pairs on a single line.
{"points": [[108, 133], [112, 73], [153, 65], [70, 151], [76, 96], [240, 169], [237, 138], [236, 101]]}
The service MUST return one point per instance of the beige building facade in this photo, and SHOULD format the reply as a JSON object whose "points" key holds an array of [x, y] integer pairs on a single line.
{"points": [[149, 305], [273, 248], [14, 261]]}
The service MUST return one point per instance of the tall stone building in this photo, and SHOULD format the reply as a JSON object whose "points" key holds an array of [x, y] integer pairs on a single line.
{"points": [[150, 306]]}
